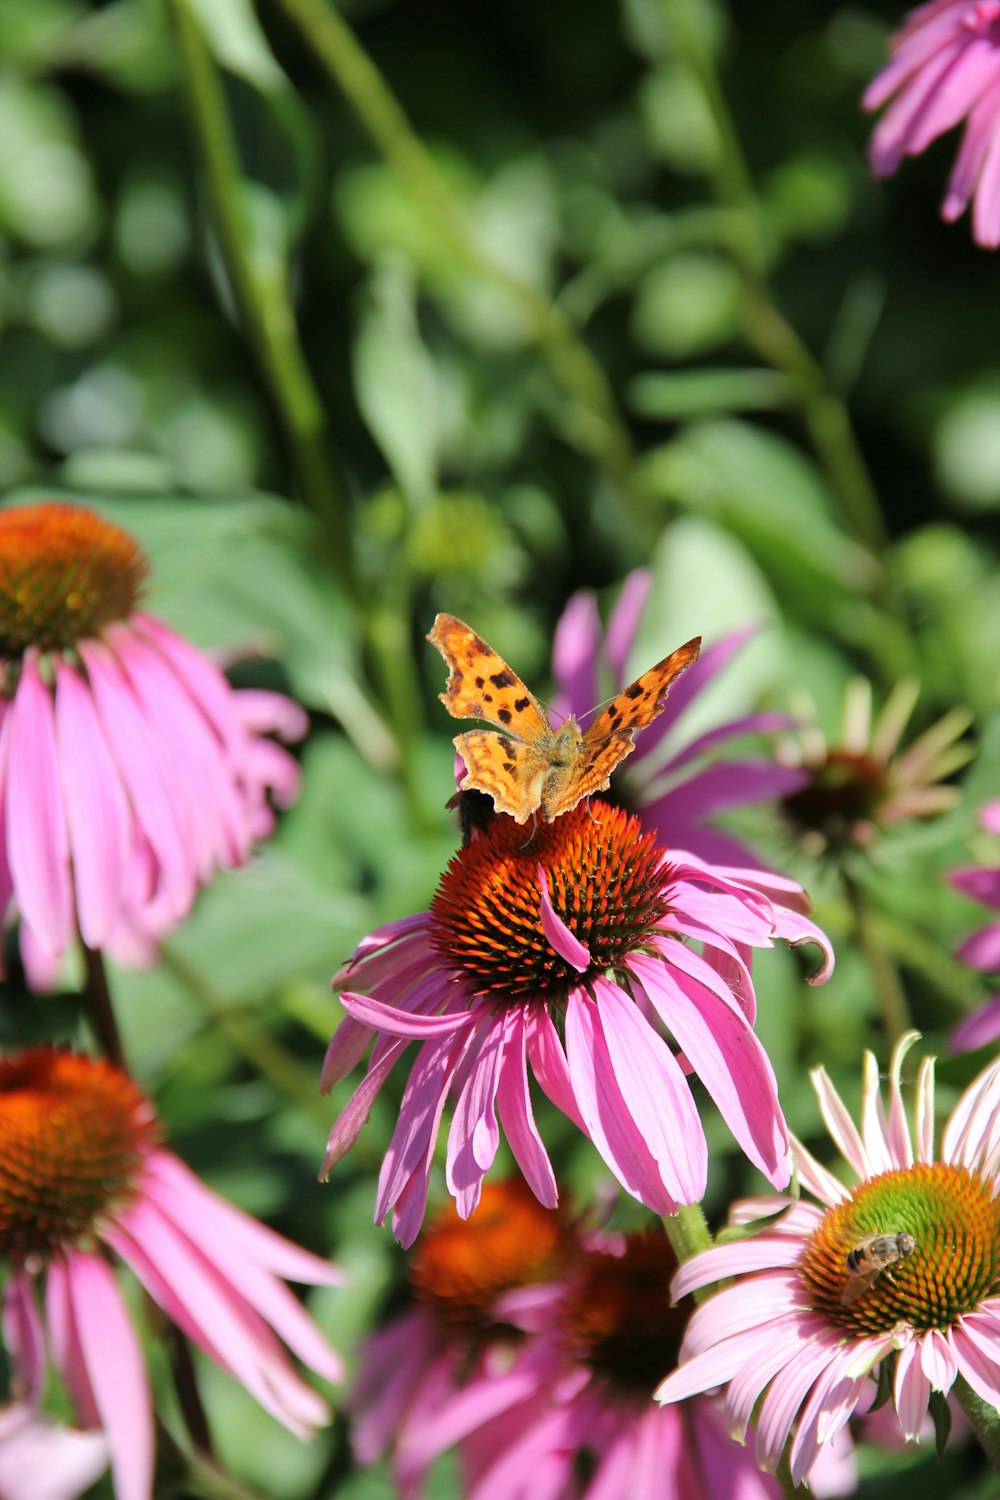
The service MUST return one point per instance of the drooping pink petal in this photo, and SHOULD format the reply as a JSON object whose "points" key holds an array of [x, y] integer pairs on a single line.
{"points": [[911, 1390], [42, 1460], [64, 1342], [517, 1116], [348, 1124], [624, 622], [978, 1029], [548, 1062], [574, 655], [117, 1372], [24, 1337], [37, 841], [97, 812], [474, 1137]]}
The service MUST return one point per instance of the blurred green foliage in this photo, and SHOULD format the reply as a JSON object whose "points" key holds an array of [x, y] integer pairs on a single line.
{"points": [[552, 294]]}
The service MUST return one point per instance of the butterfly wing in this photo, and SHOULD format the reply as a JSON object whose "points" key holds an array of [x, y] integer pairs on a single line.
{"points": [[482, 686], [611, 736], [510, 766], [508, 770]]}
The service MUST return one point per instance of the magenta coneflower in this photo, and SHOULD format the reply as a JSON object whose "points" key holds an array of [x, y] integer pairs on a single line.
{"points": [[82, 1174], [945, 68], [564, 952], [676, 787], [130, 771], [981, 950], [43, 1460], [811, 1317], [416, 1369], [568, 1414]]}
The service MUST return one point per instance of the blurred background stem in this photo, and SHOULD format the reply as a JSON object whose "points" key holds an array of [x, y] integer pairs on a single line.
{"points": [[599, 429], [261, 299], [99, 1006], [824, 414], [893, 1008]]}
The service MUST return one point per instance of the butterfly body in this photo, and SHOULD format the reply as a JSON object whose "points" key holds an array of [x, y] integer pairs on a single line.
{"points": [[524, 764]]}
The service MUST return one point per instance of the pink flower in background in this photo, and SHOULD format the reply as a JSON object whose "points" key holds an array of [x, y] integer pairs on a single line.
{"points": [[567, 953], [130, 771], [43, 1460], [799, 1336], [944, 69], [81, 1175], [982, 949], [676, 787]]}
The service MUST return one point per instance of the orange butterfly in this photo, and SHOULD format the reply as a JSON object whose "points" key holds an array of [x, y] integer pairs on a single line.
{"points": [[525, 765]]}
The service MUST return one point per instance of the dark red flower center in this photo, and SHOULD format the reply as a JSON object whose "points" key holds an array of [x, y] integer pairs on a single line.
{"points": [[840, 801], [73, 1133], [461, 1266], [65, 573], [605, 881], [616, 1315]]}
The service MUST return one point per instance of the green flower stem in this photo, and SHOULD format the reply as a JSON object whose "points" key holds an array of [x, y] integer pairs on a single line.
{"points": [[188, 1396], [687, 1231], [390, 638], [261, 294], [892, 1001], [99, 1007], [983, 1418], [824, 414], [250, 1041], [598, 427]]}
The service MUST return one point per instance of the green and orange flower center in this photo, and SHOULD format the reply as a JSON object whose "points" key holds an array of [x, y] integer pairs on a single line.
{"points": [[73, 1134], [461, 1266], [918, 1245], [65, 573], [605, 881], [841, 800], [616, 1315]]}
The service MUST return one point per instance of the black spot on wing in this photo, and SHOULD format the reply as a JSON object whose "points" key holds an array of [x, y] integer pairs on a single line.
{"points": [[520, 704], [509, 767], [503, 679], [635, 691], [504, 715], [508, 747], [480, 682]]}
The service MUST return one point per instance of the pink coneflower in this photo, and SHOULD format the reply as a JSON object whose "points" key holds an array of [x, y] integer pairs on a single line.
{"points": [[863, 784], [43, 1460], [945, 68], [568, 1415], [130, 771], [564, 952], [676, 787], [416, 1368], [982, 949], [806, 1325], [82, 1174]]}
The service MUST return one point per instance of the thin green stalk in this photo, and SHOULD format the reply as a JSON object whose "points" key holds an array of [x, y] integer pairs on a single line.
{"points": [[250, 1041], [983, 1419], [601, 431], [824, 414], [687, 1231], [892, 1001], [100, 1010], [261, 296]]}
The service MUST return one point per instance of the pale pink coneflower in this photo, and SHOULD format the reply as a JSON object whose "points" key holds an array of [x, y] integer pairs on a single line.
{"points": [[676, 785], [865, 782], [564, 952], [84, 1182], [802, 1333], [130, 770], [944, 67], [981, 950], [43, 1460]]}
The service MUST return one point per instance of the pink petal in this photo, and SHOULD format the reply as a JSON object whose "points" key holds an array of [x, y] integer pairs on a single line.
{"points": [[64, 1341], [347, 1127], [396, 1022], [24, 1337], [548, 1062], [517, 1116], [97, 813], [557, 934], [412, 1146], [911, 1391], [117, 1373], [624, 622], [978, 1029], [574, 654], [474, 1137], [37, 842]]}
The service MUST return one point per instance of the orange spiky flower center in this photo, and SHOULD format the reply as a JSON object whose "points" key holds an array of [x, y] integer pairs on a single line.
{"points": [[73, 1134], [953, 1220], [65, 573], [461, 1266], [605, 881], [616, 1315]]}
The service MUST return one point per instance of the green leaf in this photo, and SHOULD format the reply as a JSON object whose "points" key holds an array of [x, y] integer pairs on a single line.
{"points": [[695, 393], [687, 306], [394, 381]]}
